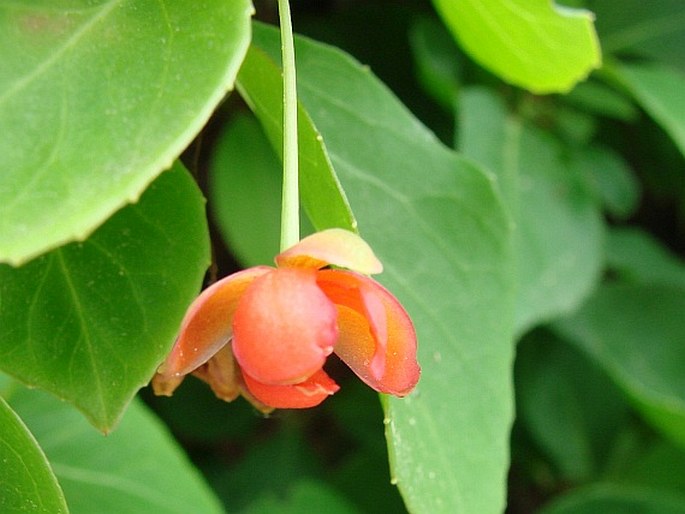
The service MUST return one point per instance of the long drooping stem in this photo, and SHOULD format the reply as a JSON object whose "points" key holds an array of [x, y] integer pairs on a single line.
{"points": [[290, 207]]}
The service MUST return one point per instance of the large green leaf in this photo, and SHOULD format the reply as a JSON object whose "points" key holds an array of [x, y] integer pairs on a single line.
{"points": [[439, 227], [96, 99], [559, 229], [534, 44], [137, 469], [27, 483], [659, 90], [636, 333], [90, 321]]}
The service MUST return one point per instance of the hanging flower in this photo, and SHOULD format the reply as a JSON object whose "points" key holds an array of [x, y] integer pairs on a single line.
{"points": [[266, 332]]}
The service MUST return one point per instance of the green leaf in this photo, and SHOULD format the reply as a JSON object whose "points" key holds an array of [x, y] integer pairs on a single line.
{"points": [[245, 191], [27, 483], [533, 44], [91, 321], [303, 496], [437, 224], [260, 84], [137, 469], [658, 89], [559, 230], [660, 466], [97, 99], [609, 499], [636, 333]]}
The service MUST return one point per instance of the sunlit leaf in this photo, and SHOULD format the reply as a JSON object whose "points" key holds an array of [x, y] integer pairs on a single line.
{"points": [[27, 484], [137, 469], [439, 228], [533, 44], [91, 321], [96, 99]]}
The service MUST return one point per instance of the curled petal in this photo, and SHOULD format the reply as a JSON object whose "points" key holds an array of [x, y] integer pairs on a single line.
{"points": [[222, 374], [206, 326], [377, 338], [332, 246], [309, 393], [284, 327]]}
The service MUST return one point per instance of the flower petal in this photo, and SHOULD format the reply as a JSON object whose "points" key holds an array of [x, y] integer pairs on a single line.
{"points": [[377, 338], [332, 246], [309, 393], [206, 326], [284, 327]]}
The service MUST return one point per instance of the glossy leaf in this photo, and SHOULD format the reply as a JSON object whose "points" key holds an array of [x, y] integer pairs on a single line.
{"points": [[636, 333], [611, 498], [97, 99], [137, 469], [659, 90], [559, 230], [437, 225], [533, 44], [27, 484], [91, 321]]}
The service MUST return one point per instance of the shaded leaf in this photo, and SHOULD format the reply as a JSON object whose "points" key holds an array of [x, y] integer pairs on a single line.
{"points": [[91, 321], [304, 496], [636, 333], [137, 469], [559, 229], [27, 484], [439, 228], [533, 44], [97, 99]]}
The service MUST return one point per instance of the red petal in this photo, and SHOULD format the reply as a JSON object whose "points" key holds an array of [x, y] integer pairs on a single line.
{"points": [[206, 326], [284, 327], [333, 246], [377, 338], [309, 393]]}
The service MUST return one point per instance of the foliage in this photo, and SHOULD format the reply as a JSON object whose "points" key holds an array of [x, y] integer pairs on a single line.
{"points": [[531, 221]]}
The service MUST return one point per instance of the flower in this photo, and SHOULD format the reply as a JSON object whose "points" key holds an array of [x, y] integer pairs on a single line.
{"points": [[266, 332]]}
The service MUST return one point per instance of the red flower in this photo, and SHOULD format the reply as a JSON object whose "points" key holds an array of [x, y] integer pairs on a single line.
{"points": [[266, 332]]}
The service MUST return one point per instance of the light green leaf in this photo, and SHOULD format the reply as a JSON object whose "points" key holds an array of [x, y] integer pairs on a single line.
{"points": [[261, 85], [533, 44], [27, 483], [659, 90], [96, 99], [438, 226], [559, 229], [91, 321], [636, 333], [137, 469], [610, 499]]}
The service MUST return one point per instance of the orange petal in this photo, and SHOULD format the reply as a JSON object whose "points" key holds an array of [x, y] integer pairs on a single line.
{"points": [[222, 375], [284, 327], [206, 326], [309, 393], [332, 246], [377, 338]]}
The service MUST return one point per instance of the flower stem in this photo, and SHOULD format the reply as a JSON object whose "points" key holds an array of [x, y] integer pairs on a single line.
{"points": [[290, 208]]}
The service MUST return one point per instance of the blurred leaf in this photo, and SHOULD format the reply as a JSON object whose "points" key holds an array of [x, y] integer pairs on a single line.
{"points": [[91, 321], [437, 60], [601, 100], [638, 257], [533, 44], [653, 29], [613, 499], [659, 90], [436, 223], [661, 466], [137, 469], [636, 333], [97, 99], [571, 409], [559, 230], [27, 483], [260, 84], [303, 496], [245, 192]]}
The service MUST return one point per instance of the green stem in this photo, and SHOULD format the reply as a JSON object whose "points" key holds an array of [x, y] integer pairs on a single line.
{"points": [[290, 208]]}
